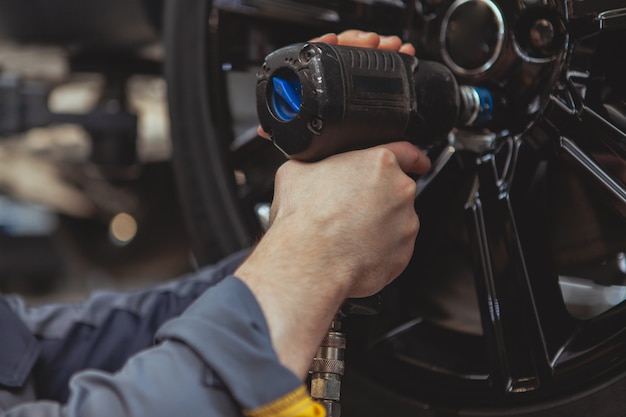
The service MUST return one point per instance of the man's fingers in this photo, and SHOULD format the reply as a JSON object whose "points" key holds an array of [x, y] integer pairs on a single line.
{"points": [[410, 158], [363, 39], [359, 38], [330, 38], [392, 43], [407, 48], [349, 37]]}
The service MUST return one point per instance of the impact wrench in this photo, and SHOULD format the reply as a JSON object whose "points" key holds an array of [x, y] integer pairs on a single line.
{"points": [[315, 100]]}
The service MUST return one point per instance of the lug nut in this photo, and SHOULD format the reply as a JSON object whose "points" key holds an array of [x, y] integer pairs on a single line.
{"points": [[542, 33]]}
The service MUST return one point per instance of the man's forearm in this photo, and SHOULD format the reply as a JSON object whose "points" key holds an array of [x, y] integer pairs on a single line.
{"points": [[100, 333], [215, 359]]}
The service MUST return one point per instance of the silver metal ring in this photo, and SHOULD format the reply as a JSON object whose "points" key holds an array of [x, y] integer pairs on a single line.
{"points": [[499, 42]]}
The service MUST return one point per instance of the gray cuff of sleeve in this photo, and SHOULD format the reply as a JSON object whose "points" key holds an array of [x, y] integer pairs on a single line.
{"points": [[227, 330]]}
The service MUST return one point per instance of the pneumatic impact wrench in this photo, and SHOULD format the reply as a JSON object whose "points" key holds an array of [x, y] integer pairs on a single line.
{"points": [[315, 100]]}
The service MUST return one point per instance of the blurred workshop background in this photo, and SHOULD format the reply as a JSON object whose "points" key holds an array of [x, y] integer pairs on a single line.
{"points": [[87, 199], [88, 194]]}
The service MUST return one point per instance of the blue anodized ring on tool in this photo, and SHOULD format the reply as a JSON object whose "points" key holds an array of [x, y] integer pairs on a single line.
{"points": [[286, 95], [485, 105]]}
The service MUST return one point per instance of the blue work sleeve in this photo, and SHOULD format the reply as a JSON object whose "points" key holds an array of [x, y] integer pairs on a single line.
{"points": [[99, 333], [215, 359]]}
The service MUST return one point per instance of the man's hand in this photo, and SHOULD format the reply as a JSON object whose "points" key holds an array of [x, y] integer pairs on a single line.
{"points": [[358, 208], [366, 40], [342, 227]]}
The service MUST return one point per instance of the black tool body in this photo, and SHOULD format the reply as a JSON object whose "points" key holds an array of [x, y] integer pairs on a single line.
{"points": [[316, 99]]}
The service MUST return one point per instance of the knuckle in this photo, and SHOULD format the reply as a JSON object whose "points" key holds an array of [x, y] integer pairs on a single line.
{"points": [[414, 225], [411, 225], [408, 188], [384, 157], [395, 40]]}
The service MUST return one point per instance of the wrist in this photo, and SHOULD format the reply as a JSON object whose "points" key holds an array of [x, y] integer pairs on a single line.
{"points": [[299, 288], [299, 257]]}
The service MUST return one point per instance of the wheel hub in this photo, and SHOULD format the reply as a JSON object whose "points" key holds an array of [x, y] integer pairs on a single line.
{"points": [[515, 48], [472, 35]]}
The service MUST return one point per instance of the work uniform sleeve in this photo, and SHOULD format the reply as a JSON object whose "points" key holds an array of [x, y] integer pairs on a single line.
{"points": [[101, 332], [216, 359]]}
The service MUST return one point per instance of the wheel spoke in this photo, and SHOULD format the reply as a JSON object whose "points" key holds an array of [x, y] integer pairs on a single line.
{"points": [[607, 331], [593, 144], [518, 353], [593, 170], [607, 13], [586, 116]]}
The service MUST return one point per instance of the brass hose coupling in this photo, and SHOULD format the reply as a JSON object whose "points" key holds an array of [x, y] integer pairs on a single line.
{"points": [[328, 368]]}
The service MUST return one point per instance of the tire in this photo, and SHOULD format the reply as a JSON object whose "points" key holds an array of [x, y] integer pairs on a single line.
{"points": [[205, 180], [489, 318]]}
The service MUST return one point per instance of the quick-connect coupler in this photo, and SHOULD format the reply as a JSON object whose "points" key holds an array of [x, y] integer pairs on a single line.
{"points": [[327, 370]]}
